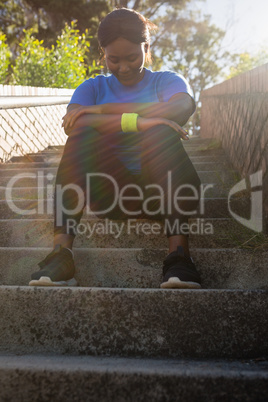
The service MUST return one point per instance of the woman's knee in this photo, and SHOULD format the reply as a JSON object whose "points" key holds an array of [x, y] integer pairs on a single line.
{"points": [[161, 130], [161, 138], [85, 136]]}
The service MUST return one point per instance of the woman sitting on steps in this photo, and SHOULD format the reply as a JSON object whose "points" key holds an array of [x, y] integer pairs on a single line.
{"points": [[124, 132]]}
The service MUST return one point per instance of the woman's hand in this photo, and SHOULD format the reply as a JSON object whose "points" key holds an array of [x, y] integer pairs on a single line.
{"points": [[146, 123], [71, 116]]}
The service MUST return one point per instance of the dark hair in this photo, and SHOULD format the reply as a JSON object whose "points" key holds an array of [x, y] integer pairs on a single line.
{"points": [[125, 23]]}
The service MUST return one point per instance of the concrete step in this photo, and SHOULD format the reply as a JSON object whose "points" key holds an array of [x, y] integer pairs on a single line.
{"points": [[26, 165], [43, 209], [25, 193], [44, 156], [33, 178], [211, 159], [140, 267], [222, 175], [209, 143], [38, 157], [207, 233], [199, 151], [62, 146], [191, 146], [42, 378], [196, 139], [202, 143], [211, 190], [200, 165], [134, 322], [200, 157], [204, 166], [55, 160], [188, 145]]}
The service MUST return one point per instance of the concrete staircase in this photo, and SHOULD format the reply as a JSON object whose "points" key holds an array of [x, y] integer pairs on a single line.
{"points": [[118, 337]]}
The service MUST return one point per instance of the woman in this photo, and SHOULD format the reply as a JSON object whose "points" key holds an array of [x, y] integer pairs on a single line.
{"points": [[124, 134]]}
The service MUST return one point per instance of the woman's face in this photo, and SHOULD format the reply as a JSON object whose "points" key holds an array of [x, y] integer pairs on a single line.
{"points": [[125, 60]]}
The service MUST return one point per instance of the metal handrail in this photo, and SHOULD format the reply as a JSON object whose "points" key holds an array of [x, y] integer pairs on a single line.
{"points": [[14, 102]]}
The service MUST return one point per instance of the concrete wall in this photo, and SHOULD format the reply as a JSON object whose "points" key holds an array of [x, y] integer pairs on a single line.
{"points": [[236, 113], [30, 119]]}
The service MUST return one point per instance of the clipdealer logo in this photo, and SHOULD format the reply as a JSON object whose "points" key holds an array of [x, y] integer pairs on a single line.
{"points": [[255, 222], [166, 201]]}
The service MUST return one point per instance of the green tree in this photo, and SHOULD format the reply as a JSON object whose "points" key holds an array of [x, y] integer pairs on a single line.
{"points": [[194, 50], [47, 18], [67, 67], [5, 55], [61, 66], [245, 61], [31, 63], [15, 16]]}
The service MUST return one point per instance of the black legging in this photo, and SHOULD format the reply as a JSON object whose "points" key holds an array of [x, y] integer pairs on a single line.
{"points": [[163, 160]]}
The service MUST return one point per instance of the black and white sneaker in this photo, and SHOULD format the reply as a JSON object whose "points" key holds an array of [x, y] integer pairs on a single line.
{"points": [[179, 272], [57, 269]]}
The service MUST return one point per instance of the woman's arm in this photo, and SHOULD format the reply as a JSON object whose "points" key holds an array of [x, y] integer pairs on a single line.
{"points": [[109, 123], [105, 123], [179, 108]]}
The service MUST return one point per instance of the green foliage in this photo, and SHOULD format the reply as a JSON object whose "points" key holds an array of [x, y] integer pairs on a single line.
{"points": [[62, 66], [48, 17], [244, 62], [5, 56], [31, 64], [67, 68], [14, 17], [189, 44], [194, 49]]}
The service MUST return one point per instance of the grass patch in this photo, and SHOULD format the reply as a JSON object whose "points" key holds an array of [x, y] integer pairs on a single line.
{"points": [[246, 239]]}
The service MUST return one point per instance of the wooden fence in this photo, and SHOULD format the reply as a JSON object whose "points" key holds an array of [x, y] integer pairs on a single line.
{"points": [[236, 113]]}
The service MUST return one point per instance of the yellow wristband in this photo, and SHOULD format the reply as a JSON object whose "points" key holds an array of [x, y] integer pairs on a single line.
{"points": [[129, 122]]}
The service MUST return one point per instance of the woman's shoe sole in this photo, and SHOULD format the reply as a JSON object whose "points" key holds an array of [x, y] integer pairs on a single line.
{"points": [[176, 283], [46, 281]]}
